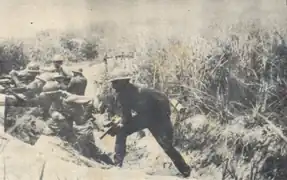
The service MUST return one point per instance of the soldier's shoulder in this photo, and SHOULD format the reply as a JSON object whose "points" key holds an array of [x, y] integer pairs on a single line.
{"points": [[76, 79], [48, 69], [22, 72]]}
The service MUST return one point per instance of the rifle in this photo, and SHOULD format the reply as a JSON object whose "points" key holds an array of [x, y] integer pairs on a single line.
{"points": [[10, 91], [113, 127]]}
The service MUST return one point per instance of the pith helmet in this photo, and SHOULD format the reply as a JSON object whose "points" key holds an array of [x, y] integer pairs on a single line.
{"points": [[58, 58], [33, 66], [119, 75]]}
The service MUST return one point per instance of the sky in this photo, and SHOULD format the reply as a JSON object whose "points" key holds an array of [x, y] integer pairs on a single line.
{"points": [[21, 18]]}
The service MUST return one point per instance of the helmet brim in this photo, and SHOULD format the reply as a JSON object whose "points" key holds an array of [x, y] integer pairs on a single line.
{"points": [[120, 79], [33, 71]]}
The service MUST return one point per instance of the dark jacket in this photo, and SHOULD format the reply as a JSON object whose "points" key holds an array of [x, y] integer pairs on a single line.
{"points": [[144, 102], [77, 85]]}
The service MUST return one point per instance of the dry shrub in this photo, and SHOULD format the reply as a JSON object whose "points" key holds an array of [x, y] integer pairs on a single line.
{"points": [[12, 55], [230, 80], [248, 69], [76, 48]]}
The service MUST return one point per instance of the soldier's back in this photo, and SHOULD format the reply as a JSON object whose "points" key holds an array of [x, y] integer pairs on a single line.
{"points": [[78, 85], [145, 100]]}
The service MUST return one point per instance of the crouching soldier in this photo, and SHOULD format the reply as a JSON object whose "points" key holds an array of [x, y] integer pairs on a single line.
{"points": [[151, 110], [23, 97], [58, 123], [26, 76], [83, 128]]}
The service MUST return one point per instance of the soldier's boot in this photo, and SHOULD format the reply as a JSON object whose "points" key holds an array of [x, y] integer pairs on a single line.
{"points": [[119, 154], [97, 152], [178, 161], [164, 137]]}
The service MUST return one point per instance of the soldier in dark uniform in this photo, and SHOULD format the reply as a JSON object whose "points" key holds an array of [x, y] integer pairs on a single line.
{"points": [[152, 110], [78, 83]]}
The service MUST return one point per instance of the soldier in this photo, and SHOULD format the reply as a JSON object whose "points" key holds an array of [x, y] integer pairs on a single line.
{"points": [[58, 61], [83, 128], [152, 111], [78, 83], [61, 81], [23, 97], [58, 123], [68, 121], [24, 77]]}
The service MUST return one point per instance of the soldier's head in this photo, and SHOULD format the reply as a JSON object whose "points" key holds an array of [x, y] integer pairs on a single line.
{"points": [[33, 68], [58, 61], [78, 72], [120, 83], [119, 80]]}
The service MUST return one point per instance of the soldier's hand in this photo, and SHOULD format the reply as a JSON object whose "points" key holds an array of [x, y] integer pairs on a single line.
{"points": [[120, 125]]}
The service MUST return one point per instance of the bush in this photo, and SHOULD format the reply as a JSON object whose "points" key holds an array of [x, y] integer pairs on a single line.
{"points": [[75, 48], [236, 82], [12, 56]]}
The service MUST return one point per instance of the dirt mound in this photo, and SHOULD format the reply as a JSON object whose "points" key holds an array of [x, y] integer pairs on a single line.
{"points": [[46, 159]]}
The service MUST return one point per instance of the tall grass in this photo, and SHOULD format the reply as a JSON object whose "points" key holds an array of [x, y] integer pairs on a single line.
{"points": [[234, 79]]}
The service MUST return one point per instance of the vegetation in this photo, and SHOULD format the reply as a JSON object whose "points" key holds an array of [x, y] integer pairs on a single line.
{"points": [[237, 81]]}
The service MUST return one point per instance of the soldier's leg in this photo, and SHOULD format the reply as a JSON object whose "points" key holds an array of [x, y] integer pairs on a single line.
{"points": [[97, 152], [163, 133], [135, 125]]}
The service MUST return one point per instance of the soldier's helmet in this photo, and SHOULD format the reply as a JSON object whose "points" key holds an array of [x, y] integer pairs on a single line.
{"points": [[119, 75], [58, 58], [33, 67]]}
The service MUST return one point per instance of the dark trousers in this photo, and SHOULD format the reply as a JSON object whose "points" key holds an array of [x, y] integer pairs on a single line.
{"points": [[161, 129]]}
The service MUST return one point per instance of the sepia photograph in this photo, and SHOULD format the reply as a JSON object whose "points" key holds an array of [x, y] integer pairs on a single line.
{"points": [[143, 90]]}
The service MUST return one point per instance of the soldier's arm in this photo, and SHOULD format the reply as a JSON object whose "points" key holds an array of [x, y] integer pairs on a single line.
{"points": [[14, 76], [71, 84]]}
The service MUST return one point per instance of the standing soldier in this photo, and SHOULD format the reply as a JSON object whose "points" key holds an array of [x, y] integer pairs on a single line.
{"points": [[78, 83], [152, 111]]}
